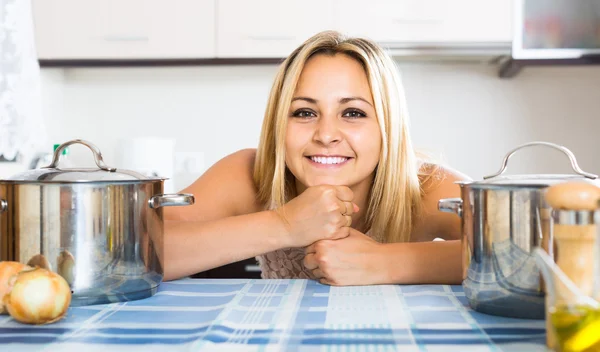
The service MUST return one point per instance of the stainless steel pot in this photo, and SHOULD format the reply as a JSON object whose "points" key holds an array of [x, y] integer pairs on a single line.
{"points": [[503, 219], [101, 229]]}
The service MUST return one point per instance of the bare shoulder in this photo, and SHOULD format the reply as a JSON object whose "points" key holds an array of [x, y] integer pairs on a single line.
{"points": [[225, 189], [435, 178], [438, 182]]}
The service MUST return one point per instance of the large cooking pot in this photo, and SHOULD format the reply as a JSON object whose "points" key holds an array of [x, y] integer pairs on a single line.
{"points": [[503, 219], [101, 229]]}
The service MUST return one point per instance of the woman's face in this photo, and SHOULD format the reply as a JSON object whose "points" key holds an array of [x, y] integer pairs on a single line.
{"points": [[332, 136]]}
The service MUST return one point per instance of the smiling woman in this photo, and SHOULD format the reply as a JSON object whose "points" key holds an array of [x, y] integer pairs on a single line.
{"points": [[332, 135], [334, 191]]}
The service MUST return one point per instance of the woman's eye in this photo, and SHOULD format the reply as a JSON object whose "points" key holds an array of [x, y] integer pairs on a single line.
{"points": [[303, 113], [354, 113]]}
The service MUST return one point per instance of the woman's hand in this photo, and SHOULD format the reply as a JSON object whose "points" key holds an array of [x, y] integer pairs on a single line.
{"points": [[320, 212], [353, 260]]}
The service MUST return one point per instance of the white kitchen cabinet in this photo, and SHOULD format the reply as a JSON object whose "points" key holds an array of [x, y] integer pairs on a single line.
{"points": [[269, 28], [208, 29], [124, 29], [426, 21]]}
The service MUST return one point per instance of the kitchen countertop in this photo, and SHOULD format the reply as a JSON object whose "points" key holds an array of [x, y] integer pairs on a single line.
{"points": [[280, 315]]}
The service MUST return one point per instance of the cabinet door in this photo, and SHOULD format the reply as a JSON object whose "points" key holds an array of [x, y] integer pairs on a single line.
{"points": [[268, 28], [478, 21], [426, 21], [124, 29]]}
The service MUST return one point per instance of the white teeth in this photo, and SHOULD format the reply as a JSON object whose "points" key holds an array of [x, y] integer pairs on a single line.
{"points": [[328, 160]]}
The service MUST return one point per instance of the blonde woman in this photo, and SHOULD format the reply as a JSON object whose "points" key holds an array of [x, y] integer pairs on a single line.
{"points": [[334, 191]]}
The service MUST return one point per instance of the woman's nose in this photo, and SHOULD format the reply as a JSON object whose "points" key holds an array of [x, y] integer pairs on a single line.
{"points": [[328, 130]]}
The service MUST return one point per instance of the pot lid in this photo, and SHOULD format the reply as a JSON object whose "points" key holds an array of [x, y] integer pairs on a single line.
{"points": [[532, 180], [54, 174], [541, 180]]}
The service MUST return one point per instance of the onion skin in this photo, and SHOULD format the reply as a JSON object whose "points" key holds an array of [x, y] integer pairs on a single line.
{"points": [[7, 270], [38, 296], [39, 260]]}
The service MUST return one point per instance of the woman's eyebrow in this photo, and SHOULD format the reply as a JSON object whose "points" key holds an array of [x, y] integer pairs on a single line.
{"points": [[310, 100], [342, 100], [349, 99]]}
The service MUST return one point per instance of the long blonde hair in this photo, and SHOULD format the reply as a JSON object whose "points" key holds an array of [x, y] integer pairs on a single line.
{"points": [[395, 197]]}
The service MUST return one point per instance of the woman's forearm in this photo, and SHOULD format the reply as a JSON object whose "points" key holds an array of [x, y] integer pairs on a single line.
{"points": [[191, 247], [437, 262]]}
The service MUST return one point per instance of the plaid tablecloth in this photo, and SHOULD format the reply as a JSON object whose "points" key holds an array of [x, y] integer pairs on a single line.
{"points": [[280, 315]]}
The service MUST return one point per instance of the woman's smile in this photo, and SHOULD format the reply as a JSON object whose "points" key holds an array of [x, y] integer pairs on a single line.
{"points": [[328, 161]]}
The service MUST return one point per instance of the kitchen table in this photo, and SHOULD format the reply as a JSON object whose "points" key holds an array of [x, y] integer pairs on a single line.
{"points": [[280, 315]]}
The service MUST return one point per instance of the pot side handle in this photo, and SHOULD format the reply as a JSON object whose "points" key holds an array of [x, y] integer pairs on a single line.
{"points": [[171, 200], [451, 205]]}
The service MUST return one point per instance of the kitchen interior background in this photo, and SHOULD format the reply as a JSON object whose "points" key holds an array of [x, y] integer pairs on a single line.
{"points": [[460, 111]]}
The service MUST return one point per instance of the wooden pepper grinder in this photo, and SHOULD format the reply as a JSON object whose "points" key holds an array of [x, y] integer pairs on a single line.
{"points": [[574, 205]]}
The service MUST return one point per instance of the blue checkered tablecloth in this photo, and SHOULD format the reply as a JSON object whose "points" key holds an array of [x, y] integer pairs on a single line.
{"points": [[280, 315]]}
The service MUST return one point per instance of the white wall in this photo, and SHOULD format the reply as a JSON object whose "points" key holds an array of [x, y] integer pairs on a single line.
{"points": [[461, 111]]}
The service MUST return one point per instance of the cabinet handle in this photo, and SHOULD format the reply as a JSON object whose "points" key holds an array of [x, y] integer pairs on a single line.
{"points": [[271, 37]]}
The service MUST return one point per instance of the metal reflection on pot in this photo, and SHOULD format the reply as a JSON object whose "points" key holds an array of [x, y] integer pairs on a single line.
{"points": [[100, 228], [504, 218], [66, 266]]}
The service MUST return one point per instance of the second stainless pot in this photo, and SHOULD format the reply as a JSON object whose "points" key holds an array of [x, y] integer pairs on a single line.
{"points": [[101, 228], [503, 219]]}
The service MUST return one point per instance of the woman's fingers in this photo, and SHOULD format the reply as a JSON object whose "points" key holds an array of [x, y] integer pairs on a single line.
{"points": [[318, 273], [348, 220]]}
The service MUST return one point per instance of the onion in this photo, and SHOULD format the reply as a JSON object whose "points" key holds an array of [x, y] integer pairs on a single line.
{"points": [[7, 270], [39, 260], [38, 296]]}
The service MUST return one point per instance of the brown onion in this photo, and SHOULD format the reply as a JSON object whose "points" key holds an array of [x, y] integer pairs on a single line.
{"points": [[7, 270], [38, 296], [40, 261]]}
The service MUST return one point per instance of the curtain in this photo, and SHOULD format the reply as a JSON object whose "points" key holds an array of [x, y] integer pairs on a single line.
{"points": [[21, 125]]}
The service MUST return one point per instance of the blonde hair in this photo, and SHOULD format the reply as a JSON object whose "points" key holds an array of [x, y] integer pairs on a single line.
{"points": [[395, 197]]}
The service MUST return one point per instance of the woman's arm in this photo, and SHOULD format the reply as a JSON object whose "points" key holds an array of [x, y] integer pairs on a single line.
{"points": [[436, 262], [424, 260], [360, 260], [225, 223], [195, 246]]}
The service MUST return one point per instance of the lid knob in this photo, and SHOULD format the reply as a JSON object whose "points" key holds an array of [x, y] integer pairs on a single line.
{"points": [[574, 195]]}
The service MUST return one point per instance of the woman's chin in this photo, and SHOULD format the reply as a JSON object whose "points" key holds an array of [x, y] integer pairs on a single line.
{"points": [[331, 181]]}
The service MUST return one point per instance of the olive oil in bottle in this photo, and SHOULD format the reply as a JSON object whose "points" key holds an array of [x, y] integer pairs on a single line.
{"points": [[577, 328], [572, 272]]}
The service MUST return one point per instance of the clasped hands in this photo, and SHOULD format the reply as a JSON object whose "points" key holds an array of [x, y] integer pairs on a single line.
{"points": [[320, 219]]}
